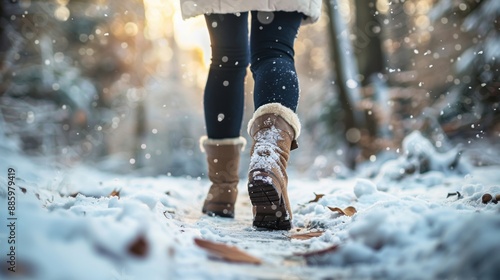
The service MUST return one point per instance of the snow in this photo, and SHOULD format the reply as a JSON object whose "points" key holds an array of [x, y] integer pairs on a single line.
{"points": [[364, 187], [406, 226], [266, 150]]}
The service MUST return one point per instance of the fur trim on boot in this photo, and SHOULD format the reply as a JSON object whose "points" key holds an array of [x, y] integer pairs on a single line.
{"points": [[277, 109], [204, 140]]}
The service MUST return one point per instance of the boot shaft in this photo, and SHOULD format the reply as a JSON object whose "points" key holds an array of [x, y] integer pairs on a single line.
{"points": [[273, 138], [274, 130], [223, 157]]}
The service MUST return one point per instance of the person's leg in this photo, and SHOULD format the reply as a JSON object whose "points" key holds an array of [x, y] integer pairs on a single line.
{"points": [[274, 126], [224, 92], [272, 58], [223, 107]]}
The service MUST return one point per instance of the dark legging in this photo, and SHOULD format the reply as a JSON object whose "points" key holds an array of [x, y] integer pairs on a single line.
{"points": [[272, 64]]}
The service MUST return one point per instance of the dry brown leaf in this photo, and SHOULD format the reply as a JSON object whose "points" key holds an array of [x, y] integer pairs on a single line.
{"points": [[23, 270], [86, 195], [486, 198], [115, 193], [74, 194], [307, 235], [139, 247], [320, 252], [226, 252], [349, 211], [458, 194], [317, 198]]}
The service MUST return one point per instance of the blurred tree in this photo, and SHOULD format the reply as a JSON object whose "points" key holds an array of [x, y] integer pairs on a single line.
{"points": [[368, 42], [372, 64], [471, 106], [58, 69], [346, 72], [45, 101]]}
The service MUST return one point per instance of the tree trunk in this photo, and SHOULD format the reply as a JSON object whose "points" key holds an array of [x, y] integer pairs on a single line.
{"points": [[346, 71], [367, 47]]}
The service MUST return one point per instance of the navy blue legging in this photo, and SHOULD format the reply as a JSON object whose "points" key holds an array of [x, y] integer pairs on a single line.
{"points": [[271, 57]]}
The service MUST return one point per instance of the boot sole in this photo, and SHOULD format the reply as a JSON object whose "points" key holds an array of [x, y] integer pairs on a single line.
{"points": [[270, 211]]}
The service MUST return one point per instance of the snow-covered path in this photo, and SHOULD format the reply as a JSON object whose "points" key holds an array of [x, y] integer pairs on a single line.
{"points": [[273, 247], [69, 227]]}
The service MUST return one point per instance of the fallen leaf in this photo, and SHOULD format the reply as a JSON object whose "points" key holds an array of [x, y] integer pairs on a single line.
{"points": [[79, 193], [306, 235], [74, 194], [171, 212], [319, 252], [115, 193], [349, 211], [319, 257], [486, 198], [23, 270], [317, 198], [455, 193], [226, 252], [139, 247]]}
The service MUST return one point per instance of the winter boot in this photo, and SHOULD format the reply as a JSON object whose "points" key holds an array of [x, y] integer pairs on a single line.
{"points": [[223, 157], [274, 130]]}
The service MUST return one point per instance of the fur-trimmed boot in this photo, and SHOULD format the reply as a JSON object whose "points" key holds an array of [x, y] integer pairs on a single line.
{"points": [[223, 157], [274, 129]]}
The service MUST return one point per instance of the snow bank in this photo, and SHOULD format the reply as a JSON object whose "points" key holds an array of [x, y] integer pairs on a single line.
{"points": [[422, 217], [91, 235]]}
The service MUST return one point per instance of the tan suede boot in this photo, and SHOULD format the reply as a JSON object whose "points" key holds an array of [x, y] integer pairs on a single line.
{"points": [[274, 130], [223, 157]]}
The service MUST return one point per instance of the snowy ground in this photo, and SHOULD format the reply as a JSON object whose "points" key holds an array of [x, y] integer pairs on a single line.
{"points": [[69, 227]]}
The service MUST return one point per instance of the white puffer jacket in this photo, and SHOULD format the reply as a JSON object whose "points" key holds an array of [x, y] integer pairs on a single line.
{"points": [[310, 8]]}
